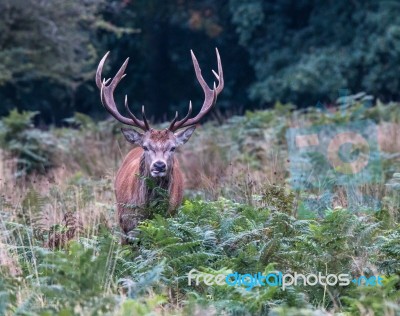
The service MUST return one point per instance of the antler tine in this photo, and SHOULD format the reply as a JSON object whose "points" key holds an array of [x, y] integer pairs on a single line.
{"points": [[210, 95], [197, 70], [146, 124], [220, 76], [173, 127], [107, 96], [134, 118], [112, 108], [100, 70], [119, 75]]}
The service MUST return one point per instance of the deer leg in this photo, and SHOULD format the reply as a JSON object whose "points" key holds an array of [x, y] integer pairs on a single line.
{"points": [[128, 221]]}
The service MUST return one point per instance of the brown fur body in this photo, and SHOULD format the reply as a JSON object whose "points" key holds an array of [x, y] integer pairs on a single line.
{"points": [[132, 193]]}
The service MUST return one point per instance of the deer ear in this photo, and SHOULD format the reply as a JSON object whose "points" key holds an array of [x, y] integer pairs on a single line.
{"points": [[132, 136], [183, 136]]}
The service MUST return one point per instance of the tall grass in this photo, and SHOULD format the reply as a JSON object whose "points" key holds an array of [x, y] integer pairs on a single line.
{"points": [[59, 249]]}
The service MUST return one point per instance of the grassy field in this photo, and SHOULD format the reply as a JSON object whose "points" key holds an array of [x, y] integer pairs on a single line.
{"points": [[59, 241]]}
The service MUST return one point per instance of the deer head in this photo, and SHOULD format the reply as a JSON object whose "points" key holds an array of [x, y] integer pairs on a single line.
{"points": [[158, 145]]}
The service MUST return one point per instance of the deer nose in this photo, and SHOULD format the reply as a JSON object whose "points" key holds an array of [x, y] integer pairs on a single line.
{"points": [[160, 166]]}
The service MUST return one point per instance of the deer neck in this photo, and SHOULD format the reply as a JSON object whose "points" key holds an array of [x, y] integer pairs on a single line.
{"points": [[149, 192]]}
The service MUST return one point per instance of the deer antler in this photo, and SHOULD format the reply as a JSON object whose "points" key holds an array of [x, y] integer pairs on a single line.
{"points": [[107, 96], [210, 96]]}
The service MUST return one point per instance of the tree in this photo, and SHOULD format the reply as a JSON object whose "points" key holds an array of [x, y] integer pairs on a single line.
{"points": [[303, 51], [47, 50]]}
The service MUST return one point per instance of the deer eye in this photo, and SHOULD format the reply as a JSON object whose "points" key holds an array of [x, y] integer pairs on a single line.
{"points": [[173, 148], [145, 148]]}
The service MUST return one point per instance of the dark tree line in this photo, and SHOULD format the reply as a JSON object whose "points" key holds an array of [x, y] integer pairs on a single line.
{"points": [[297, 51]]}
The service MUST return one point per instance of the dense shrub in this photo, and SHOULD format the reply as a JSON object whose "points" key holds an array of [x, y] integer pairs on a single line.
{"points": [[32, 148]]}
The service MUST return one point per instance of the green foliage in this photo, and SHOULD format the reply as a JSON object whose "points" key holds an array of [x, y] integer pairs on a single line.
{"points": [[293, 51], [224, 236], [304, 51], [390, 253], [213, 237], [70, 281], [48, 51], [33, 149], [59, 47], [90, 274], [364, 300], [276, 198]]}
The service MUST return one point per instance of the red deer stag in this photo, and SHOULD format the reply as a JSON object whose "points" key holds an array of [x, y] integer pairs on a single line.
{"points": [[155, 155]]}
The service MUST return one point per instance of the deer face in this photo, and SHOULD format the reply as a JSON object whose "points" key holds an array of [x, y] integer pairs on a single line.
{"points": [[158, 147]]}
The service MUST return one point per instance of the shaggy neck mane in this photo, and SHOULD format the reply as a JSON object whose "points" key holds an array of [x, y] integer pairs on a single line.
{"points": [[147, 193]]}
